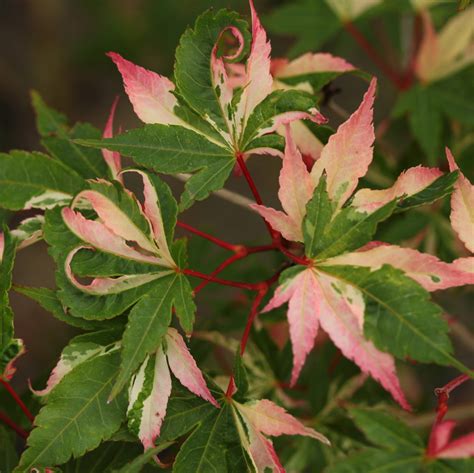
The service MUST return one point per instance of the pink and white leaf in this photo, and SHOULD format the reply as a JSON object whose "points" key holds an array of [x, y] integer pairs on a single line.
{"points": [[286, 118], [428, 270], [302, 294], [296, 186], [146, 419], [150, 93], [305, 140], [465, 264], [220, 79], [410, 182], [442, 54], [115, 219], [184, 367], [105, 286], [280, 222], [296, 189], [268, 418], [258, 80], [340, 317], [310, 63], [152, 211], [263, 453], [28, 232], [462, 206], [348, 153], [444, 447], [101, 237], [112, 158], [2, 245], [72, 356]]}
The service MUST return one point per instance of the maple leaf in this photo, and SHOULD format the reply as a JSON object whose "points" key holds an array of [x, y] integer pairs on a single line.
{"points": [[265, 418], [442, 446], [309, 73], [114, 229], [201, 122], [10, 348], [337, 291], [452, 49], [150, 388], [112, 158], [462, 206]]}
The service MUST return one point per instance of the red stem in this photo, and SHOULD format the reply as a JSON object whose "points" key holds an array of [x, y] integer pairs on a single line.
{"points": [[252, 315], [243, 253], [256, 195], [220, 268], [262, 290], [6, 420], [217, 241], [18, 400], [374, 55], [442, 408], [223, 282]]}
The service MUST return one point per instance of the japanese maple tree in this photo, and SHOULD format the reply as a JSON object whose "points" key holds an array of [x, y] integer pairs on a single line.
{"points": [[152, 382]]}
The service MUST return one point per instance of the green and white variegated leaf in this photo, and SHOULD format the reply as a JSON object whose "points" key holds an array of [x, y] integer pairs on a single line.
{"points": [[150, 388], [10, 348], [319, 212], [202, 123], [29, 231], [79, 350], [220, 439], [60, 141], [398, 314], [349, 230], [149, 319], [172, 150], [34, 180], [77, 416], [314, 70], [121, 274], [77, 302]]}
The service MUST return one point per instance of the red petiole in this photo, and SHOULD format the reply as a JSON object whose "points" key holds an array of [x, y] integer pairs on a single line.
{"points": [[442, 408], [18, 400]]}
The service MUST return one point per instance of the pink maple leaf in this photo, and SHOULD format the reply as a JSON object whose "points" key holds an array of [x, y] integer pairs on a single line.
{"points": [[146, 416], [316, 298], [462, 206], [441, 445], [265, 418], [153, 99]]}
